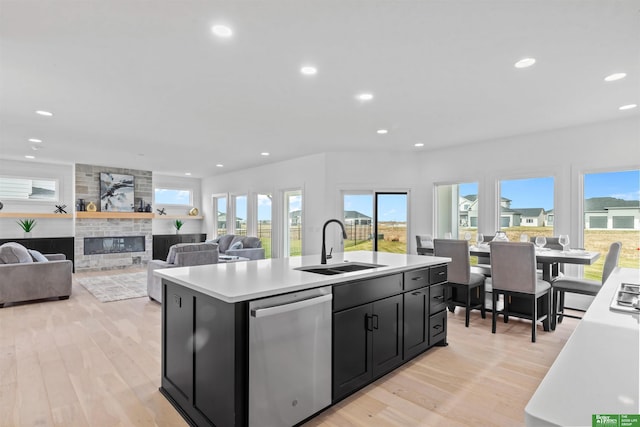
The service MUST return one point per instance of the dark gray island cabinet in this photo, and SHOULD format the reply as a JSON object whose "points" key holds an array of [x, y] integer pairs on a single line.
{"points": [[379, 322]]}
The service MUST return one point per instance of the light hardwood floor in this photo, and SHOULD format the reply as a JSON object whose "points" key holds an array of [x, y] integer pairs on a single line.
{"points": [[80, 362]]}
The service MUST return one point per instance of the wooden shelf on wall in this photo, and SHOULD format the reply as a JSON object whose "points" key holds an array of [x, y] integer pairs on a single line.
{"points": [[33, 215], [178, 216], [114, 215]]}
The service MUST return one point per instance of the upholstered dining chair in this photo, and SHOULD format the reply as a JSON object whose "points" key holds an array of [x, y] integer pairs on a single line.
{"points": [[513, 274], [424, 241], [467, 288], [577, 285]]}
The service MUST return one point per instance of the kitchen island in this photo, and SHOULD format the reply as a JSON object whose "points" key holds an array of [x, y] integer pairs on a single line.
{"points": [[378, 318], [598, 370]]}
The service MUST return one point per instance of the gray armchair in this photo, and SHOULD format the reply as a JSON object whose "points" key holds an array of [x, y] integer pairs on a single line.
{"points": [[243, 246], [180, 255], [23, 279]]}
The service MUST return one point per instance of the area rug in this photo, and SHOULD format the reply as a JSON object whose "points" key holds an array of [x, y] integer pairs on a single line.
{"points": [[116, 287]]}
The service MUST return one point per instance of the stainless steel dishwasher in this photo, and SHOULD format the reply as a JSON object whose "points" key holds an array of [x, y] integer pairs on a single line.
{"points": [[289, 357]]}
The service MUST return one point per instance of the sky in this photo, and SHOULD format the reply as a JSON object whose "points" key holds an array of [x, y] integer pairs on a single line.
{"points": [[391, 207]]}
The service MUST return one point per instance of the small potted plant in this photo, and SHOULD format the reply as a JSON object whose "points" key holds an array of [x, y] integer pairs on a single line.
{"points": [[27, 226], [178, 225]]}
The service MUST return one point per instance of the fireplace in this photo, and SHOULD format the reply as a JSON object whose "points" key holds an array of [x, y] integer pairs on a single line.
{"points": [[113, 245]]}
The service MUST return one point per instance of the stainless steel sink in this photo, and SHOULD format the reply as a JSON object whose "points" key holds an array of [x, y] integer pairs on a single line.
{"points": [[331, 269]]}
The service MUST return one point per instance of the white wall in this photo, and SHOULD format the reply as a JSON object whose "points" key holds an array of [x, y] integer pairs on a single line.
{"points": [[565, 154], [164, 226], [306, 173], [45, 227]]}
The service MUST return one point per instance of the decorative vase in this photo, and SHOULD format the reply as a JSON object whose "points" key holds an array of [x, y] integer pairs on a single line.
{"points": [[81, 206], [91, 207]]}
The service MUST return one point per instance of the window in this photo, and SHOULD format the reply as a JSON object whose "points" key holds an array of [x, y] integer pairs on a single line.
{"points": [[391, 223], [358, 221], [457, 210], [369, 214], [265, 214], [28, 189], [173, 196], [612, 214], [524, 207], [293, 226], [220, 207], [240, 208]]}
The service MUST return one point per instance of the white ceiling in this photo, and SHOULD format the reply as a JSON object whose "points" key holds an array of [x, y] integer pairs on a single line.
{"points": [[146, 85]]}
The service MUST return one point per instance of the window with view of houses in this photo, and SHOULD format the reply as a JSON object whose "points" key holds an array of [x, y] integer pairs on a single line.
{"points": [[525, 207], [457, 210], [611, 210]]}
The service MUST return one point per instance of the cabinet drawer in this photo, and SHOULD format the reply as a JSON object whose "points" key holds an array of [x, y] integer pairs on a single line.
{"points": [[364, 291], [436, 298], [437, 327], [438, 274], [416, 279]]}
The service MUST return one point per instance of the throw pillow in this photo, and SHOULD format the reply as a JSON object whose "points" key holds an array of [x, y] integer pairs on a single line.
{"points": [[14, 253], [37, 256], [236, 245]]}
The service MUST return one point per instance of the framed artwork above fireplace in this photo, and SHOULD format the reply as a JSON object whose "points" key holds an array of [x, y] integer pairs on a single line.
{"points": [[116, 192]]}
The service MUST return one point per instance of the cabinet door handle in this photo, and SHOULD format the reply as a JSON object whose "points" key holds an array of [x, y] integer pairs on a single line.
{"points": [[368, 322], [417, 278], [375, 321], [438, 297], [437, 326], [416, 293], [442, 273]]}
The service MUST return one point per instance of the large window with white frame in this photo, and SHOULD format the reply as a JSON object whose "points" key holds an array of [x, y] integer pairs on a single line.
{"points": [[264, 217], [611, 213], [28, 189], [220, 211], [457, 209], [526, 207], [293, 219], [173, 196], [240, 214]]}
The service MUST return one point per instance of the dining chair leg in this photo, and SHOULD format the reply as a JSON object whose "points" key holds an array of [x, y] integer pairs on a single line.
{"points": [[561, 307], [505, 315], [494, 302], [483, 309], [546, 299], [534, 318], [554, 308]]}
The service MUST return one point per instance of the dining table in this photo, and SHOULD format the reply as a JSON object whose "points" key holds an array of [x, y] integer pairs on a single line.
{"points": [[546, 257]]}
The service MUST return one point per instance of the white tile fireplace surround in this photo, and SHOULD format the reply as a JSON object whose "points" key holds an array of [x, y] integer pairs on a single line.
{"points": [[112, 228]]}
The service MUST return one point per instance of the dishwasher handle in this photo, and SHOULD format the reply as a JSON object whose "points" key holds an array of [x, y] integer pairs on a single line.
{"points": [[284, 308]]}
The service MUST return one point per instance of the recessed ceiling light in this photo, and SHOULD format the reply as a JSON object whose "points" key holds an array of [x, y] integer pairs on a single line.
{"points": [[382, 131], [615, 76], [35, 147], [29, 157], [524, 63], [44, 113], [418, 144], [365, 96], [628, 107], [309, 70], [188, 173], [34, 140], [219, 165], [222, 31], [264, 154]]}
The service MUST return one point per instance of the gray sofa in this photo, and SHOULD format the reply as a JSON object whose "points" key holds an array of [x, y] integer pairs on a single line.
{"points": [[243, 246], [180, 255], [22, 278]]}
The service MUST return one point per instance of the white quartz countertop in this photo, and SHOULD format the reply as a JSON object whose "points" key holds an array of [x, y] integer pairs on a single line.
{"points": [[244, 281], [598, 370]]}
